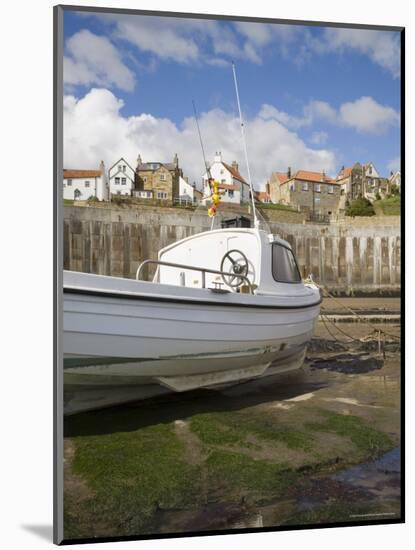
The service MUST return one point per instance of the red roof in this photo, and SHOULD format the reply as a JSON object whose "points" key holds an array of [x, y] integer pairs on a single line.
{"points": [[318, 177], [234, 172], [74, 174], [282, 177], [345, 172]]}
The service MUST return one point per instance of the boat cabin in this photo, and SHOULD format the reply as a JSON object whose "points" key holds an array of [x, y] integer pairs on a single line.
{"points": [[230, 260]]}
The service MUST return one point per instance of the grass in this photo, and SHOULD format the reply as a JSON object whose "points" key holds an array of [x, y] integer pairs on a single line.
{"points": [[391, 206], [68, 202], [272, 206]]}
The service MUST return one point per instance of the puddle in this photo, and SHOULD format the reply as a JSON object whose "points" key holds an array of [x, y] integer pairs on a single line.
{"points": [[348, 363]]}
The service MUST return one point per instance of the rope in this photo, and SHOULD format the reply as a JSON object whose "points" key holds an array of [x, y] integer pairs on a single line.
{"points": [[361, 319]]}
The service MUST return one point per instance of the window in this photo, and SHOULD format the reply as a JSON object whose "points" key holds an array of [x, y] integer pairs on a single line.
{"points": [[222, 172], [292, 186], [64, 184], [87, 184], [223, 181], [119, 167], [161, 195], [331, 189], [149, 194], [318, 188], [284, 266], [123, 168], [317, 200], [162, 177], [230, 193], [69, 183], [123, 181], [117, 181], [145, 179], [305, 186]]}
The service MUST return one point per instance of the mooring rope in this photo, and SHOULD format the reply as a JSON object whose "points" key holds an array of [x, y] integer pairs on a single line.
{"points": [[377, 331]]}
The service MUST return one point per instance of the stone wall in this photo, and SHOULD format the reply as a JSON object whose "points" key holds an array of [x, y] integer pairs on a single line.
{"points": [[345, 257]]}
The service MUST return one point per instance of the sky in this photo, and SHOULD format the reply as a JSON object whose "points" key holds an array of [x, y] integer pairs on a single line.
{"points": [[313, 98]]}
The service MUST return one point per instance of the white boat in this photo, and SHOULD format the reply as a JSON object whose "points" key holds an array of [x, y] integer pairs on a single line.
{"points": [[225, 305]]}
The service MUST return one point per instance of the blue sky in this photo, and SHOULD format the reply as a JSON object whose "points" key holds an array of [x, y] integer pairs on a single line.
{"points": [[313, 97]]}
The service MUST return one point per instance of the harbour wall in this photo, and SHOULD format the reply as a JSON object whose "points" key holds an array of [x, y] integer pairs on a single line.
{"points": [[354, 256]]}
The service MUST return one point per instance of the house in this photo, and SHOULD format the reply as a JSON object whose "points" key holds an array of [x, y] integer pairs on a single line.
{"points": [[311, 192], [234, 188], [273, 184], [121, 178], [186, 191], [157, 180], [395, 180], [84, 184], [262, 196], [362, 180]]}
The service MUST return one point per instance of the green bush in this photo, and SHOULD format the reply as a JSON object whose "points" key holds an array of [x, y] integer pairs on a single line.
{"points": [[360, 207]]}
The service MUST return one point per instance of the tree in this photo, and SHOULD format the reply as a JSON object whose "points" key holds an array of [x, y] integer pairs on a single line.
{"points": [[360, 207]]}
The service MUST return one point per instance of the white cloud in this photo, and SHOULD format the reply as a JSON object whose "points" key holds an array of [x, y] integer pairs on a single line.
{"points": [[364, 115], [382, 47], [95, 129], [367, 116], [394, 164], [92, 59]]}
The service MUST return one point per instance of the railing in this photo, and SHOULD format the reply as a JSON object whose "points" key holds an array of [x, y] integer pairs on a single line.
{"points": [[203, 270]]}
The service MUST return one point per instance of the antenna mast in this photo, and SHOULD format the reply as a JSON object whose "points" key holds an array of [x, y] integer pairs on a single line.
{"points": [[246, 152]]}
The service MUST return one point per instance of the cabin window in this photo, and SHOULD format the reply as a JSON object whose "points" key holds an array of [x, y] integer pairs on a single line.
{"points": [[69, 183], [305, 186], [117, 181], [284, 266], [123, 181], [87, 184]]}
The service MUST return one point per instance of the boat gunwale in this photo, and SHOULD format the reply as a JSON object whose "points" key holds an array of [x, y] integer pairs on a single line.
{"points": [[171, 299]]}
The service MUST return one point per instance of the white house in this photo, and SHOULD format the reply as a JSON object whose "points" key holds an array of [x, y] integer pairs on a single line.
{"points": [[186, 190], [121, 178], [84, 184], [395, 179], [234, 187]]}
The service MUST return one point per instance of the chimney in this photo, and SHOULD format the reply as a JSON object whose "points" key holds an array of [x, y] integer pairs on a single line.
{"points": [[391, 172], [176, 160], [289, 172], [139, 161], [267, 189], [102, 167], [218, 157], [235, 165]]}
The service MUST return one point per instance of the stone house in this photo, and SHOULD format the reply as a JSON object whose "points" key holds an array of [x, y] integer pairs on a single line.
{"points": [[157, 180], [84, 184], [121, 178], [362, 180], [312, 192], [234, 187]]}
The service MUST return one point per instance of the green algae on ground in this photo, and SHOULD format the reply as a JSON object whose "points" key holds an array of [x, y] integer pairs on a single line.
{"points": [[134, 473], [238, 474], [369, 441], [234, 429]]}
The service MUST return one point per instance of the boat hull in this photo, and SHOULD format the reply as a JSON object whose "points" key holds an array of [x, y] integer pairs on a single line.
{"points": [[119, 340]]}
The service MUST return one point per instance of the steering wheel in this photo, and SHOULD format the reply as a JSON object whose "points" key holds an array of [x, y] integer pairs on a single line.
{"points": [[235, 263]]}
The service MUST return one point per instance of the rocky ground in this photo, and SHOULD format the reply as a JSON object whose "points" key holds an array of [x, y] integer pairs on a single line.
{"points": [[319, 445]]}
